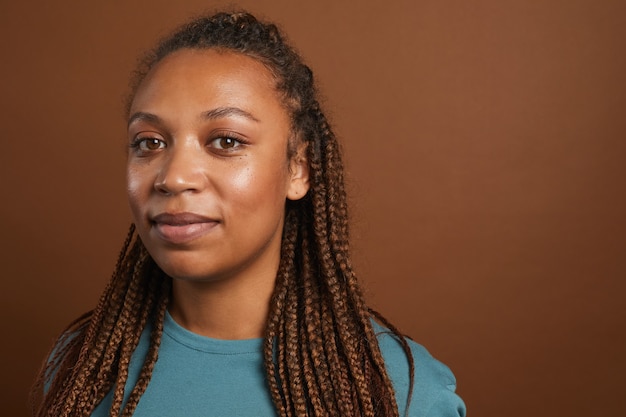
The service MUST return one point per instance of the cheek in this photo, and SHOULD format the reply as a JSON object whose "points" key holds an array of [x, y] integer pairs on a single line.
{"points": [[246, 181], [259, 187], [135, 188]]}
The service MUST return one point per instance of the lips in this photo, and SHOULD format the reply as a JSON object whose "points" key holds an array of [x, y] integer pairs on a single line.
{"points": [[181, 228]]}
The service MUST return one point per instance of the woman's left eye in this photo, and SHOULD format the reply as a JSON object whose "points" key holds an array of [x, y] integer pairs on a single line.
{"points": [[224, 143]]}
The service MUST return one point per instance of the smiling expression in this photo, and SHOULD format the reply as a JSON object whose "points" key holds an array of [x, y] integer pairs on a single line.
{"points": [[208, 171]]}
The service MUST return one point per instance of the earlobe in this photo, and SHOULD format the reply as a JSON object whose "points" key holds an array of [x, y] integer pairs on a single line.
{"points": [[299, 180]]}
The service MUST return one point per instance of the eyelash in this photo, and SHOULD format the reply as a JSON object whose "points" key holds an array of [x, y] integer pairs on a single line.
{"points": [[226, 136], [137, 142]]}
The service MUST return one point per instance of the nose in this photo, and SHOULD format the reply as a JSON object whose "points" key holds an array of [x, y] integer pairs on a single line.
{"points": [[181, 171]]}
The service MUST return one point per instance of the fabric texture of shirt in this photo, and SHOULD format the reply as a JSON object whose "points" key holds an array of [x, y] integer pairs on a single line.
{"points": [[196, 376]]}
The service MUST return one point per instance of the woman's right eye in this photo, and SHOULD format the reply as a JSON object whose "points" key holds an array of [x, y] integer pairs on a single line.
{"points": [[148, 144]]}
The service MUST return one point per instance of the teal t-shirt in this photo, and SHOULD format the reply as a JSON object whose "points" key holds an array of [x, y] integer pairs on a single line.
{"points": [[196, 376]]}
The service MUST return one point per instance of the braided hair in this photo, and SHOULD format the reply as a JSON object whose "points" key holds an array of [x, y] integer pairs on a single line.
{"points": [[320, 350]]}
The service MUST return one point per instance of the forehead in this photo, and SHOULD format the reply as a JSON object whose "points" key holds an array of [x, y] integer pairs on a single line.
{"points": [[203, 76]]}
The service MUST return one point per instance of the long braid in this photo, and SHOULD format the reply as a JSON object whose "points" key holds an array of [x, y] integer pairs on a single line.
{"points": [[112, 353], [333, 330], [338, 237], [159, 288], [314, 358], [274, 369], [72, 348], [327, 229], [123, 343], [94, 351]]}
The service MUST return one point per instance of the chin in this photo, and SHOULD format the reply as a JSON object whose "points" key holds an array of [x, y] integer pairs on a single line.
{"points": [[182, 267], [194, 272], [185, 273]]}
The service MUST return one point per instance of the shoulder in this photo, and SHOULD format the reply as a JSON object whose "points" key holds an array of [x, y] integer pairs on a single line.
{"points": [[434, 384]]}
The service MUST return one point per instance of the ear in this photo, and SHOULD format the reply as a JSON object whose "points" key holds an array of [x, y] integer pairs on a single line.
{"points": [[299, 174]]}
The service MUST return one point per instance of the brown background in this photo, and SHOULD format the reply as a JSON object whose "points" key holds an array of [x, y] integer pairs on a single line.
{"points": [[486, 156]]}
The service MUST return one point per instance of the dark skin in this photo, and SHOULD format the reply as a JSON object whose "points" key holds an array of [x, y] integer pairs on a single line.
{"points": [[208, 178]]}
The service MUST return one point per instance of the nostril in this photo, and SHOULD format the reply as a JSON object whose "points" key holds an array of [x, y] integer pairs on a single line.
{"points": [[161, 187]]}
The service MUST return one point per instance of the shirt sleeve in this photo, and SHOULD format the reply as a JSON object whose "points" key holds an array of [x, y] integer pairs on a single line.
{"points": [[447, 404], [434, 386]]}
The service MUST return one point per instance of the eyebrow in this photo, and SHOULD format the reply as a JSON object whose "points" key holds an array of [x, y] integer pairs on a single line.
{"points": [[148, 117], [221, 112], [217, 113]]}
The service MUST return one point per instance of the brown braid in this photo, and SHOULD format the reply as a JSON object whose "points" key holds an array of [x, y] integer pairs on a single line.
{"points": [[104, 339], [320, 350]]}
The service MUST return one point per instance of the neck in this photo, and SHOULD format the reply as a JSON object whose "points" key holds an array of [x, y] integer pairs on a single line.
{"points": [[224, 309]]}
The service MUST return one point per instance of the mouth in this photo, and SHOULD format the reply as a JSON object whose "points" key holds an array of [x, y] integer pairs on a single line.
{"points": [[181, 228]]}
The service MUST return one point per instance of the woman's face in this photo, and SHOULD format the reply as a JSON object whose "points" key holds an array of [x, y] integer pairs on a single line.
{"points": [[208, 172]]}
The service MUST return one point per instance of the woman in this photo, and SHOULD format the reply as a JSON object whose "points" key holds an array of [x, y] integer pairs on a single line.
{"points": [[236, 273]]}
